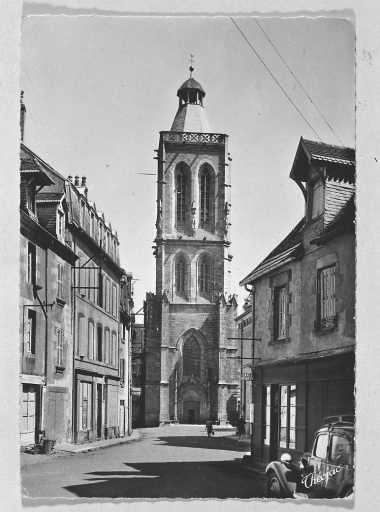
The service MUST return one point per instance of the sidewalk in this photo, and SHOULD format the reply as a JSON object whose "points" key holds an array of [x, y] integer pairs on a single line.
{"points": [[95, 445]]}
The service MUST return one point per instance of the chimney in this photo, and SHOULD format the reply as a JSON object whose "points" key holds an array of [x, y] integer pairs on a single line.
{"points": [[70, 178], [83, 181], [76, 181], [22, 115]]}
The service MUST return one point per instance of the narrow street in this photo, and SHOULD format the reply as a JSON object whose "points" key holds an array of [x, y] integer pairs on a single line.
{"points": [[165, 462]]}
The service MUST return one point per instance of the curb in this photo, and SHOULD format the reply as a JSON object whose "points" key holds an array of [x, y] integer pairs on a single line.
{"points": [[85, 448]]}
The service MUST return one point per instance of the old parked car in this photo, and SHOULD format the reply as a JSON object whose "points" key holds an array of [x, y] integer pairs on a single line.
{"points": [[326, 472]]}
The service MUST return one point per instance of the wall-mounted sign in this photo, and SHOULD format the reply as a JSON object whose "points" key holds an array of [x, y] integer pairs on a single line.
{"points": [[135, 391], [247, 376]]}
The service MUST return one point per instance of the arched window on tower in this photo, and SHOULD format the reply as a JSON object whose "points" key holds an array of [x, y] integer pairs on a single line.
{"points": [[181, 186], [205, 196], [192, 358], [204, 276], [180, 275]]}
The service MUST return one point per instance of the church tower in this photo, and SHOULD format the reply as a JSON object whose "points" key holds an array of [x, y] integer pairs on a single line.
{"points": [[191, 341]]}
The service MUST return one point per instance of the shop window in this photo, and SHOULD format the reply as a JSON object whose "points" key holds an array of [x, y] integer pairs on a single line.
{"points": [[31, 332], [288, 416], [326, 317], [31, 263], [267, 414], [85, 406]]}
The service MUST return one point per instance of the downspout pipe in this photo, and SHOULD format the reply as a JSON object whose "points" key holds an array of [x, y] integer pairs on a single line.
{"points": [[251, 292]]}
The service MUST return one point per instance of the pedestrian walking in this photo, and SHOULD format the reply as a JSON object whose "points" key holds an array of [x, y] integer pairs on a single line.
{"points": [[209, 428], [241, 427]]}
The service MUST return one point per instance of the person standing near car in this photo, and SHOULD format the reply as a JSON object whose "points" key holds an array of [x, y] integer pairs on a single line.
{"points": [[241, 427], [209, 427]]}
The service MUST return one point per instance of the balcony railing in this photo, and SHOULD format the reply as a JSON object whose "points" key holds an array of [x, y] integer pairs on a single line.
{"points": [[198, 138]]}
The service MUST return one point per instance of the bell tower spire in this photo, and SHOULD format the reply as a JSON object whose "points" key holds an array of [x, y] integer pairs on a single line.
{"points": [[192, 312]]}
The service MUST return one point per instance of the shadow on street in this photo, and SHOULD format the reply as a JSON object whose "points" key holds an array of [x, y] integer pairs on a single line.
{"points": [[212, 443], [214, 479]]}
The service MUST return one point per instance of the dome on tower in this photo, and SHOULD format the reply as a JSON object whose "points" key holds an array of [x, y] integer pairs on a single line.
{"points": [[190, 116], [190, 84]]}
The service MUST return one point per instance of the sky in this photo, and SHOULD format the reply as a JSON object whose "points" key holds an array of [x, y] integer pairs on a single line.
{"points": [[99, 89]]}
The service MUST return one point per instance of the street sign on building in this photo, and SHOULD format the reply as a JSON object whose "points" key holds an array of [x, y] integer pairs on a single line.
{"points": [[247, 376], [135, 391]]}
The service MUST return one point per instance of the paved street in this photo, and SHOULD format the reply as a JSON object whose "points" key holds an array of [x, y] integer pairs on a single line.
{"points": [[165, 462]]}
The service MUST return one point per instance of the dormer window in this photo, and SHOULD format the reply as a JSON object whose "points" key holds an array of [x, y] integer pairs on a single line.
{"points": [[83, 208], [317, 199], [31, 197], [60, 224], [92, 225]]}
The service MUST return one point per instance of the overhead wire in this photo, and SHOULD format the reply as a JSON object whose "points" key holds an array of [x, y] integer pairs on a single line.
{"points": [[275, 79], [299, 83]]}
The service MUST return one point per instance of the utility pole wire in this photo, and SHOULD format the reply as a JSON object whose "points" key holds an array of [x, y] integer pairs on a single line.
{"points": [[274, 78], [320, 113]]}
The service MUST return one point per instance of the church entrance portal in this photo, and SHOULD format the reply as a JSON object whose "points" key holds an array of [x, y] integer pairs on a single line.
{"points": [[191, 412]]}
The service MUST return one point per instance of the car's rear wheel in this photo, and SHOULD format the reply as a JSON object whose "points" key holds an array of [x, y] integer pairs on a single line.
{"points": [[274, 486]]}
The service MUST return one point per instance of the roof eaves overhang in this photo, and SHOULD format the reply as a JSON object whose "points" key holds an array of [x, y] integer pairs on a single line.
{"points": [[275, 262]]}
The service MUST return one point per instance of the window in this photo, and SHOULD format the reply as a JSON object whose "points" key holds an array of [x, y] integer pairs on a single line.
{"points": [[317, 203], [60, 347], [114, 300], [114, 349], [60, 224], [92, 225], [101, 234], [267, 412], [100, 289], [288, 416], [31, 332], [85, 406], [81, 345], [108, 243], [60, 281], [108, 299], [107, 347], [31, 197], [82, 213], [99, 343], [192, 358], [326, 299], [91, 341], [204, 276], [205, 196], [181, 186], [114, 250], [341, 450], [320, 447], [279, 313], [31, 263], [180, 275]]}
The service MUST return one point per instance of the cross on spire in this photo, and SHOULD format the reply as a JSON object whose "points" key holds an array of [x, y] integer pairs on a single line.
{"points": [[191, 62]]}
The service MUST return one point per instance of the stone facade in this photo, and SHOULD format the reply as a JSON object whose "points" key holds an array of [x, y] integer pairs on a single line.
{"points": [[191, 358]]}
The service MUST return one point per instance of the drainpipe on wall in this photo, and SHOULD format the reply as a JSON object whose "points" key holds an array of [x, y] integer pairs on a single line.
{"points": [[251, 292], [73, 323]]}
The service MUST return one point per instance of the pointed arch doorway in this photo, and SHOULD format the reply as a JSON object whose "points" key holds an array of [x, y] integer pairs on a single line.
{"points": [[191, 412]]}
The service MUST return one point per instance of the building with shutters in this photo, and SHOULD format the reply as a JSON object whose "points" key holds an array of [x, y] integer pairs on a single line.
{"points": [[46, 340], [303, 296], [76, 312], [191, 336]]}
